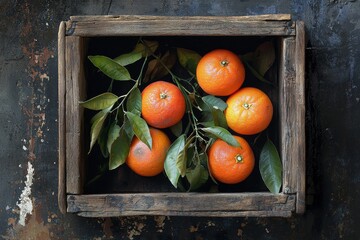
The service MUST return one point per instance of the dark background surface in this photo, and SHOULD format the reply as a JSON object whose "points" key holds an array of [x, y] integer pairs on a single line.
{"points": [[28, 123]]}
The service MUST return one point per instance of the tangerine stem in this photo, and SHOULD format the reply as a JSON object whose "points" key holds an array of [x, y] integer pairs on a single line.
{"points": [[224, 63], [163, 95], [246, 106], [239, 158]]}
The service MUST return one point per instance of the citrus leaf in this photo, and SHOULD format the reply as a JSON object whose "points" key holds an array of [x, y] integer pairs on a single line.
{"points": [[102, 141], [249, 57], [171, 160], [270, 167], [177, 129], [113, 134], [188, 59], [156, 69], [100, 102], [110, 68], [139, 52], [208, 124], [204, 158], [140, 128], [223, 134], [133, 102], [255, 73], [214, 102], [197, 176], [181, 162], [146, 48], [219, 118], [128, 58], [96, 128], [264, 57], [119, 150], [99, 114], [128, 129]]}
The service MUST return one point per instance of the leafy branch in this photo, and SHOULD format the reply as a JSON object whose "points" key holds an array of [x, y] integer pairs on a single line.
{"points": [[119, 117]]}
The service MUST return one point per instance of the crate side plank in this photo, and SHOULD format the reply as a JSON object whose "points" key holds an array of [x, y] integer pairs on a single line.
{"points": [[235, 213], [75, 91], [300, 117], [165, 203], [265, 17], [289, 128], [203, 27], [62, 119]]}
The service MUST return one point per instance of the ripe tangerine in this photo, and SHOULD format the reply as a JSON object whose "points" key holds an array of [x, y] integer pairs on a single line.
{"points": [[220, 72], [146, 162], [229, 164], [163, 104], [249, 111]]}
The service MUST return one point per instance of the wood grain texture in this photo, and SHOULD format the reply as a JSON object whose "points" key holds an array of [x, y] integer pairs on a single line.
{"points": [[185, 26], [265, 17], [182, 204], [300, 117], [61, 118], [289, 128], [75, 91]]}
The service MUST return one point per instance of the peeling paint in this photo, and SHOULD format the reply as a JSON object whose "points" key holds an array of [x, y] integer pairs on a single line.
{"points": [[25, 204]]}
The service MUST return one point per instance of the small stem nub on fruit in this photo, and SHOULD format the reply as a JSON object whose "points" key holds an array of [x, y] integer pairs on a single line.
{"points": [[246, 106], [163, 95], [224, 63], [239, 158]]}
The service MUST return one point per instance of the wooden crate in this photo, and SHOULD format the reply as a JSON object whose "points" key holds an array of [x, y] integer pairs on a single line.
{"points": [[73, 36]]}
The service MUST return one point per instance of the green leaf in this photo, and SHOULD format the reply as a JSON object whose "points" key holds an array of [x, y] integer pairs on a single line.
{"points": [[171, 160], [270, 167], [133, 102], [264, 57], [249, 57], [102, 101], [177, 129], [102, 141], [219, 118], [188, 59], [139, 52], [99, 114], [110, 68], [255, 73], [146, 48], [223, 134], [214, 102], [197, 176], [113, 134], [96, 128], [128, 129], [156, 69], [204, 159], [140, 128], [128, 58], [119, 150]]}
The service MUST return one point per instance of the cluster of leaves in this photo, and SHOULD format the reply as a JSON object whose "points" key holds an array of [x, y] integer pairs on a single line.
{"points": [[119, 119]]}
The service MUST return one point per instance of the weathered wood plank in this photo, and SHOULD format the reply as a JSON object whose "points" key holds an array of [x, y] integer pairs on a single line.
{"points": [[75, 91], [61, 118], [265, 17], [290, 130], [284, 214], [186, 26], [300, 117], [184, 204]]}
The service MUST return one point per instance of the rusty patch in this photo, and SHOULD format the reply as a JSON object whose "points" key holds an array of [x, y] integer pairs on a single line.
{"points": [[35, 229]]}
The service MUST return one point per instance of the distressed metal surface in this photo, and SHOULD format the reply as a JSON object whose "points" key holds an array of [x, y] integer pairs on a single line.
{"points": [[28, 124]]}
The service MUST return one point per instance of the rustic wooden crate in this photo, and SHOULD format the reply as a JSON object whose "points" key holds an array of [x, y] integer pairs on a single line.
{"points": [[73, 36]]}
